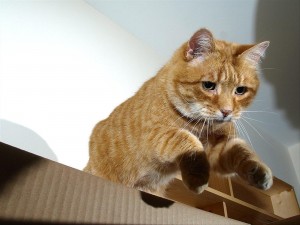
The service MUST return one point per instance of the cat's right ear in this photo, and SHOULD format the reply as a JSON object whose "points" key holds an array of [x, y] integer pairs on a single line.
{"points": [[200, 44], [254, 54]]}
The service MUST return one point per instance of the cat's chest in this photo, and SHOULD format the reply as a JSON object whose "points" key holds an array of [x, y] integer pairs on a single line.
{"points": [[207, 133]]}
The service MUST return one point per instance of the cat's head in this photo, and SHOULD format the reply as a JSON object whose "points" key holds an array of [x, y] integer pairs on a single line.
{"points": [[213, 79]]}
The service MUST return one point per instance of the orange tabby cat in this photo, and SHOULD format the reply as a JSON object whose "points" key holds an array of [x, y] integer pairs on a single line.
{"points": [[183, 120]]}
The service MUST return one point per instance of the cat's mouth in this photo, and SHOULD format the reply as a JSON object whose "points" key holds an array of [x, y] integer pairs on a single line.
{"points": [[218, 119], [212, 120], [224, 120]]}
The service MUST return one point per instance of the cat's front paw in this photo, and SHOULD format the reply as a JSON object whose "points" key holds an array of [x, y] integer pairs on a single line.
{"points": [[259, 175], [195, 171], [195, 184]]}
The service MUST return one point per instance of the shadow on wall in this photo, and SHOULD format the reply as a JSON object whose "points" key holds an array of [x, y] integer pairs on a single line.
{"points": [[279, 22], [24, 138]]}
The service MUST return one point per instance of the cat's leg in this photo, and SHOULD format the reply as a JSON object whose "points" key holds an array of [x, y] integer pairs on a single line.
{"points": [[235, 156], [187, 152], [194, 169]]}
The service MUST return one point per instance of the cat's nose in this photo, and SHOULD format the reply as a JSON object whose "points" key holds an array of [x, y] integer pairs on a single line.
{"points": [[225, 112]]}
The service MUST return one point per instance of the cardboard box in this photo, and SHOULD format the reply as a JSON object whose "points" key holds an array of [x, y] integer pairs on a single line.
{"points": [[34, 190], [235, 199]]}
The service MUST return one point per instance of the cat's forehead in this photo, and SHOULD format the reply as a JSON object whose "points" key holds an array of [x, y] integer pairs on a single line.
{"points": [[224, 72], [229, 74], [228, 49], [222, 66]]}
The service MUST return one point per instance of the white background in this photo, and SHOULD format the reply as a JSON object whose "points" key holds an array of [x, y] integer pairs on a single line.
{"points": [[64, 67]]}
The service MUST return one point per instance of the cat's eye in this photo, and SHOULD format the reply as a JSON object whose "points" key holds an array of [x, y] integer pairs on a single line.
{"points": [[240, 90], [207, 85]]}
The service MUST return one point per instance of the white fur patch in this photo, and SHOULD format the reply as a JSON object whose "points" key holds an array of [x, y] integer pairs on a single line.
{"points": [[200, 189], [189, 110]]}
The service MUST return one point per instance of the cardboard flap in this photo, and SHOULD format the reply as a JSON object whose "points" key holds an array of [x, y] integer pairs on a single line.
{"points": [[36, 189]]}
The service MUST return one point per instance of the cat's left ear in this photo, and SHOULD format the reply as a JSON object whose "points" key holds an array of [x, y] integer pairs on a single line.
{"points": [[200, 44], [254, 54]]}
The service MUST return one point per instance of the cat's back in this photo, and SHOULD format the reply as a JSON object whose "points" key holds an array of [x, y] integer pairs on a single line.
{"points": [[109, 130], [124, 116], [115, 141]]}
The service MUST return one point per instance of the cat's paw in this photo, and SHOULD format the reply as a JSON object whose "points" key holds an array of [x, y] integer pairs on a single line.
{"points": [[259, 175], [195, 184], [195, 171]]}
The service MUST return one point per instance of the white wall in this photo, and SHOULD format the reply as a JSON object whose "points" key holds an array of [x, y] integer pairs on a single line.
{"points": [[165, 25], [63, 67]]}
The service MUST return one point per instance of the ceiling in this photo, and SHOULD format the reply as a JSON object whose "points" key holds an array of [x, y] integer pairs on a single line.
{"points": [[165, 25]]}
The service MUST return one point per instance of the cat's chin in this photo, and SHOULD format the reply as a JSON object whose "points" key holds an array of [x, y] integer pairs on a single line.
{"points": [[217, 119], [221, 121]]}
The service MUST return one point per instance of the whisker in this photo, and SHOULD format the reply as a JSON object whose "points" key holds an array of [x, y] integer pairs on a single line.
{"points": [[196, 124], [235, 131], [207, 128], [202, 128], [259, 112], [229, 134], [247, 135], [268, 69], [245, 117], [188, 123], [257, 132], [238, 129]]}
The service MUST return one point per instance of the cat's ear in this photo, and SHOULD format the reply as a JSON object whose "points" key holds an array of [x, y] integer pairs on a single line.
{"points": [[255, 53], [200, 44]]}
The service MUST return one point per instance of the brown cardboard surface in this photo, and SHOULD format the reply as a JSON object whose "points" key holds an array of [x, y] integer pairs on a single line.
{"points": [[295, 220], [36, 189]]}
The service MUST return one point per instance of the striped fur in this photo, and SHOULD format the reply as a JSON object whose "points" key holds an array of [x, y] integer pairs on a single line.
{"points": [[174, 124]]}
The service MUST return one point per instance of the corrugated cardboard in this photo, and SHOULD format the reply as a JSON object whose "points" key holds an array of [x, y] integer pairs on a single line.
{"points": [[40, 191]]}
